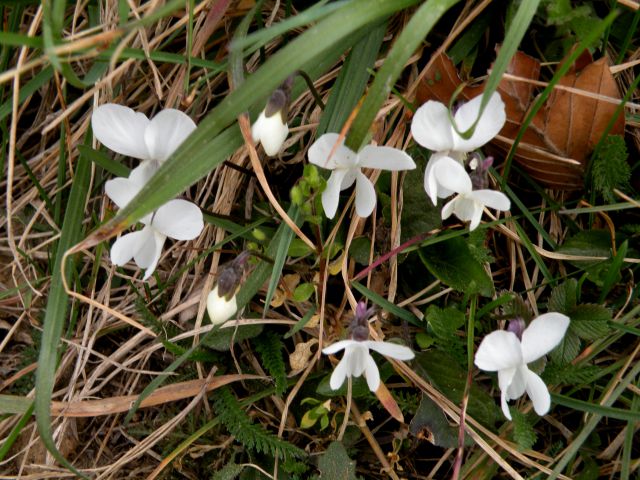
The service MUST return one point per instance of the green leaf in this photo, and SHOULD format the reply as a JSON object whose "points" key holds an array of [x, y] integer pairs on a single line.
{"points": [[592, 243], [335, 464], [567, 350], [359, 250], [250, 435], [444, 321], [570, 374], [419, 215], [612, 276], [444, 324], [303, 292], [298, 248], [610, 169], [452, 263], [523, 432], [230, 471], [564, 297], [589, 321], [430, 423], [270, 346], [223, 339], [450, 378]]}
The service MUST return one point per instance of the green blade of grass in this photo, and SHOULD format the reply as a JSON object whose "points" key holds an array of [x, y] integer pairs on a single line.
{"points": [[105, 161], [279, 259], [613, 272], [589, 407], [513, 37], [15, 432], [57, 307], [572, 449], [387, 305], [301, 323], [264, 269], [256, 40], [14, 405], [627, 447], [27, 90], [351, 82], [405, 45], [12, 39]]}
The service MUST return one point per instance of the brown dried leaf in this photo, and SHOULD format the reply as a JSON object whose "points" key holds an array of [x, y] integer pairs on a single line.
{"points": [[556, 146], [169, 393], [389, 403], [440, 80]]}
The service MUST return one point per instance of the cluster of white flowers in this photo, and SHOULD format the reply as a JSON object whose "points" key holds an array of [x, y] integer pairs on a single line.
{"points": [[445, 173], [130, 133], [504, 351], [152, 141]]}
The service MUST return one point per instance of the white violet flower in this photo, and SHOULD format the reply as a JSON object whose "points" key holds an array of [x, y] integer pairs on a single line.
{"points": [[329, 152], [177, 219], [131, 133], [271, 131], [469, 204], [509, 351], [357, 359], [431, 127]]}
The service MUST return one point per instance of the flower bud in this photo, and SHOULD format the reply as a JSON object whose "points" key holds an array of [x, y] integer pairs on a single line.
{"points": [[297, 198], [360, 323], [271, 127], [221, 301], [219, 308], [517, 326], [480, 172]]}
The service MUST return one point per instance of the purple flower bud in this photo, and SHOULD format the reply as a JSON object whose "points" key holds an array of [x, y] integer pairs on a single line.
{"points": [[480, 172], [517, 326], [360, 325]]}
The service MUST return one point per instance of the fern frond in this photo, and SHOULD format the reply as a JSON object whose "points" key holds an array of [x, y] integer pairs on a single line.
{"points": [[269, 346], [230, 471], [610, 169], [250, 435]]}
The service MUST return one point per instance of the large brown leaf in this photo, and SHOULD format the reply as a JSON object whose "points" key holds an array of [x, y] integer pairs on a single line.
{"points": [[556, 146]]}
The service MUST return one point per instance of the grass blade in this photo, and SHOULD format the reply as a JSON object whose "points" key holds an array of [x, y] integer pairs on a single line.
{"points": [[57, 307]]}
